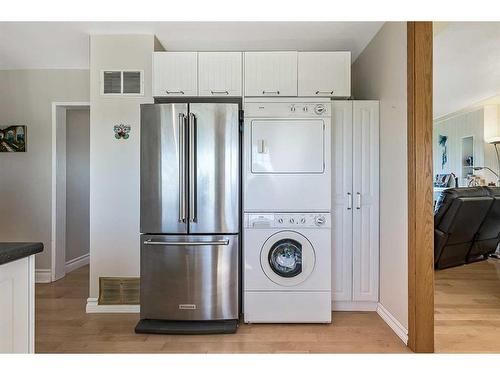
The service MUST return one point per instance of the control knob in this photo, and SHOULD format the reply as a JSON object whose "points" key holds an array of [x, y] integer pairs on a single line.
{"points": [[320, 220], [292, 221], [280, 220], [319, 109]]}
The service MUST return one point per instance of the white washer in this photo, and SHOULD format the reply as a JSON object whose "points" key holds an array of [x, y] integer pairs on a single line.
{"points": [[287, 268], [287, 144]]}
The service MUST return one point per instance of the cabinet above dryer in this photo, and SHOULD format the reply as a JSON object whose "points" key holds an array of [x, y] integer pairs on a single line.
{"points": [[271, 73], [324, 74]]}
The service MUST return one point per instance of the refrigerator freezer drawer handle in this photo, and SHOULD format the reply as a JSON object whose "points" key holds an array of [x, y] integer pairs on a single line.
{"points": [[188, 243]]}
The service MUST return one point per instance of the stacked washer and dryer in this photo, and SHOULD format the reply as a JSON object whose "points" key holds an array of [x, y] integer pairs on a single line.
{"points": [[287, 202]]}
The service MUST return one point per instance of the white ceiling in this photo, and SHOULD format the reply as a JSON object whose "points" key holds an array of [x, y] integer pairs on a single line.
{"points": [[28, 45], [466, 64]]}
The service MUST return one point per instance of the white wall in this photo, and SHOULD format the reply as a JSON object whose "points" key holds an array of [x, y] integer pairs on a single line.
{"points": [[114, 164], [380, 73], [77, 183], [25, 178]]}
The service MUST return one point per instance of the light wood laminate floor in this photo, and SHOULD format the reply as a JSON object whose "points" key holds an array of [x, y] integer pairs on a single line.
{"points": [[467, 308], [62, 326]]}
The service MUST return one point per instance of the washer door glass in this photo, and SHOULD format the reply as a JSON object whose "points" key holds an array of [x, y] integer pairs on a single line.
{"points": [[285, 258]]}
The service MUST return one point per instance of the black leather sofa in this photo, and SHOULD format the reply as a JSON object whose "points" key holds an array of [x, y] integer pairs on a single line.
{"points": [[466, 225]]}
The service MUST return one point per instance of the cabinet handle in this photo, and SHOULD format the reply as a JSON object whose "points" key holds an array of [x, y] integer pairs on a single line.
{"points": [[324, 92], [175, 92], [188, 243], [264, 92], [359, 201], [225, 92], [349, 201]]}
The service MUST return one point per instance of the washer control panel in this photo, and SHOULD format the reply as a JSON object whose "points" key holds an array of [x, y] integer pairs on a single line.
{"points": [[287, 220]]}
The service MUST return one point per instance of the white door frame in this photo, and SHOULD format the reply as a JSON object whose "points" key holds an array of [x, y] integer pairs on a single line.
{"points": [[53, 242]]}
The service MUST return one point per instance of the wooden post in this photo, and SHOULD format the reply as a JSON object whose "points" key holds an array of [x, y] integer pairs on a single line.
{"points": [[420, 192]]}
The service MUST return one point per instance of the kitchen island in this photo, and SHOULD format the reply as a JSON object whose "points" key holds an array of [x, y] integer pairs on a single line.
{"points": [[17, 296]]}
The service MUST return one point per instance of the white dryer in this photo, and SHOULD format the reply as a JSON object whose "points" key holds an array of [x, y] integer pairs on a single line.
{"points": [[287, 269], [287, 147]]}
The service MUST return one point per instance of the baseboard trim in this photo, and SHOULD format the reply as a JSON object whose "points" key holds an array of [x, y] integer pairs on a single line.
{"points": [[353, 306], [43, 276], [93, 307], [78, 262], [392, 322]]}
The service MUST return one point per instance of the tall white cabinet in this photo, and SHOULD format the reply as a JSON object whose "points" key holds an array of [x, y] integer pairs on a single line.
{"points": [[17, 306], [355, 205]]}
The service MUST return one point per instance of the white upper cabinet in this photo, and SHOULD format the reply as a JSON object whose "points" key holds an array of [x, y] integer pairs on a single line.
{"points": [[271, 73], [220, 73], [175, 73], [324, 74]]}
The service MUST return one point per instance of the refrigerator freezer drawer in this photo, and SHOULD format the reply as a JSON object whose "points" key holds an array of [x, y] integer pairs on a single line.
{"points": [[189, 277]]}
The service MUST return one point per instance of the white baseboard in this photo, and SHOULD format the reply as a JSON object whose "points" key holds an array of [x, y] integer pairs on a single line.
{"points": [[76, 263], [353, 306], [92, 307], [43, 276], [392, 322]]}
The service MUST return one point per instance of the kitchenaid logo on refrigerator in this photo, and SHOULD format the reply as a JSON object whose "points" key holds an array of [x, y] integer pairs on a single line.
{"points": [[187, 306]]}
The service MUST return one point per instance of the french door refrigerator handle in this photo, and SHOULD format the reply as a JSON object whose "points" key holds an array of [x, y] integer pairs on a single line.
{"points": [[192, 168], [188, 243], [359, 201], [349, 201], [182, 168]]}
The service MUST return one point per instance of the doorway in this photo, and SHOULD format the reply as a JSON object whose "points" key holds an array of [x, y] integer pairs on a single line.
{"points": [[466, 168], [70, 187]]}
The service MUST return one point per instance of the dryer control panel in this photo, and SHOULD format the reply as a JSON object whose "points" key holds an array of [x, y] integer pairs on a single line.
{"points": [[287, 220], [299, 109]]}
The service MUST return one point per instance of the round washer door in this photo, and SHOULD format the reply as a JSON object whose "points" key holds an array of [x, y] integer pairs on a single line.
{"points": [[287, 258]]}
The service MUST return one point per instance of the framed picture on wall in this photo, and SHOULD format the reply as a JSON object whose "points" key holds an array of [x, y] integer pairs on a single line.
{"points": [[13, 138]]}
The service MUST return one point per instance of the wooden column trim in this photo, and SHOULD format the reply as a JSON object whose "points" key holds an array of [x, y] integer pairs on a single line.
{"points": [[420, 194]]}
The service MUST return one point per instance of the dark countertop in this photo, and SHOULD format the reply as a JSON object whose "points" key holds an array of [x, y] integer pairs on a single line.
{"points": [[11, 251]]}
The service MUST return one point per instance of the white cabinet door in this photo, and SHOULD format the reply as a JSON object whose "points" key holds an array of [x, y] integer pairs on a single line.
{"points": [[270, 73], [324, 74], [175, 73], [366, 200], [342, 201], [220, 73], [17, 322]]}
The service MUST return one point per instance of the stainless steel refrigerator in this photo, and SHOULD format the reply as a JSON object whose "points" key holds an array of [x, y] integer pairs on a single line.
{"points": [[190, 217]]}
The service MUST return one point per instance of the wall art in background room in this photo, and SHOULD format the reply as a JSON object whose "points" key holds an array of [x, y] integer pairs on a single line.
{"points": [[443, 139], [13, 138]]}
